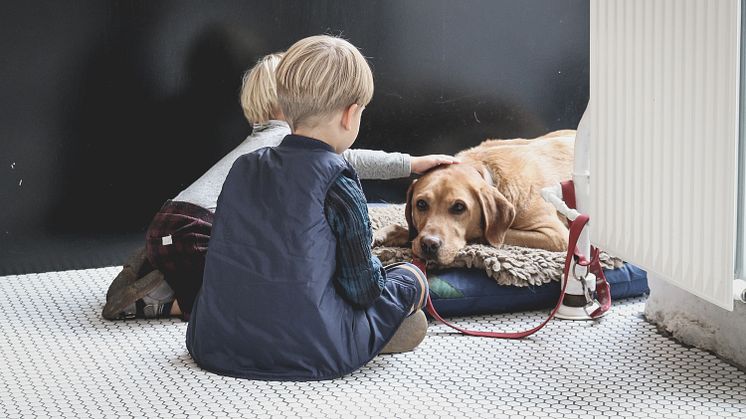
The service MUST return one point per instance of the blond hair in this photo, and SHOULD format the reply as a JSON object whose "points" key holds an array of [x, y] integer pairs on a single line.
{"points": [[259, 91], [320, 75]]}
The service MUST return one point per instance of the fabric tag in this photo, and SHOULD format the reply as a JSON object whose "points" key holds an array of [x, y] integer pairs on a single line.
{"points": [[166, 240]]}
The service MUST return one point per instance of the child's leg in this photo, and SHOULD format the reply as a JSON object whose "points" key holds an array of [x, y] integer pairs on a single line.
{"points": [[414, 328], [186, 284], [408, 270], [177, 242], [175, 252]]}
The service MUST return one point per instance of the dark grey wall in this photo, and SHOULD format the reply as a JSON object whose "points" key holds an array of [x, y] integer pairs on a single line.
{"points": [[109, 108]]}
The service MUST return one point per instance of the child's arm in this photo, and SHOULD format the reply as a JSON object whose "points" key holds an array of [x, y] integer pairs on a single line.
{"points": [[360, 276], [376, 164]]}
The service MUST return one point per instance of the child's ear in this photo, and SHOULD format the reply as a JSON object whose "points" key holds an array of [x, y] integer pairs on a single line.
{"points": [[348, 116]]}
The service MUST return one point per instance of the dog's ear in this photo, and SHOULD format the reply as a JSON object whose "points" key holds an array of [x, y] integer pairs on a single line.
{"points": [[497, 213], [408, 212], [485, 172]]}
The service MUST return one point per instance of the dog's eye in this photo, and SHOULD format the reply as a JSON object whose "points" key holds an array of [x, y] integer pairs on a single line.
{"points": [[421, 205], [458, 208]]}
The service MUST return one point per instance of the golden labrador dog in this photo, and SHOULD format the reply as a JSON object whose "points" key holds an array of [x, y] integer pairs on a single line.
{"points": [[492, 196]]}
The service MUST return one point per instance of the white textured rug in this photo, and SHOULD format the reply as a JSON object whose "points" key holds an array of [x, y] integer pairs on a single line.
{"points": [[58, 358]]}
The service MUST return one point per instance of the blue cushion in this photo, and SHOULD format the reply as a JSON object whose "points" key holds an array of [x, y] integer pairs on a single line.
{"points": [[461, 292]]}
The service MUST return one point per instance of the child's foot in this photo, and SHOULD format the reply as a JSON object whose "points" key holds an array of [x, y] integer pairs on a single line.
{"points": [[129, 273], [147, 297], [410, 334]]}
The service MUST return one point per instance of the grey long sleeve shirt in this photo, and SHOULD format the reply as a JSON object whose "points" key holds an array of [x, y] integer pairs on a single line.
{"points": [[369, 164]]}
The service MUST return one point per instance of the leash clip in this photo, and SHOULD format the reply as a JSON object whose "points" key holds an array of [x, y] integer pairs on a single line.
{"points": [[591, 302], [584, 279]]}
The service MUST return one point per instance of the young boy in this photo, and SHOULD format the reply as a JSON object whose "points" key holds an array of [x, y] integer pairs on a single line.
{"points": [[291, 290], [164, 278]]}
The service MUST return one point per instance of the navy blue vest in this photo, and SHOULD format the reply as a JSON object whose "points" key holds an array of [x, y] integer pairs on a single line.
{"points": [[268, 308]]}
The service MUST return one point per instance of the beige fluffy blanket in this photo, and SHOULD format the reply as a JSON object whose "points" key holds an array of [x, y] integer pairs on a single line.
{"points": [[509, 265]]}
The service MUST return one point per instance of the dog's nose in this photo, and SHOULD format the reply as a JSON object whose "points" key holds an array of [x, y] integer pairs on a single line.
{"points": [[430, 245]]}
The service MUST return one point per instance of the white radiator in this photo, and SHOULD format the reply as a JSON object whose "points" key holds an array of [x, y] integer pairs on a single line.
{"points": [[664, 133]]}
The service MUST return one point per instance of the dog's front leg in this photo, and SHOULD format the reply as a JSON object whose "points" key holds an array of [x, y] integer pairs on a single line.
{"points": [[553, 238], [392, 236]]}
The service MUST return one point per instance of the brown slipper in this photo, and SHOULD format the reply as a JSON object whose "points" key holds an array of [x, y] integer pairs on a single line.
{"points": [[125, 296], [410, 334], [129, 272]]}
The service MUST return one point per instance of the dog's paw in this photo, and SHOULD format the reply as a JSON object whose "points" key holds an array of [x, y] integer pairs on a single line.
{"points": [[393, 235]]}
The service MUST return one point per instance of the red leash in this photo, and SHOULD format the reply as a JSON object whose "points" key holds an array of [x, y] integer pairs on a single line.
{"points": [[603, 293], [594, 266]]}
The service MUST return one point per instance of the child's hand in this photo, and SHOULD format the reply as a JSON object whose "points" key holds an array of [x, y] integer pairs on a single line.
{"points": [[422, 164]]}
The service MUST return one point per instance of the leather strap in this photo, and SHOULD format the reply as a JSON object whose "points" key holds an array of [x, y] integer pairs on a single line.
{"points": [[568, 193], [603, 292]]}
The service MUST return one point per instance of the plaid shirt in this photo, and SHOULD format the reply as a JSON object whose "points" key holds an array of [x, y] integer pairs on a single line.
{"points": [[360, 277]]}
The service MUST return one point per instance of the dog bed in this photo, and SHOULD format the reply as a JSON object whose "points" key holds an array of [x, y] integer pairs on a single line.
{"points": [[483, 279], [461, 292]]}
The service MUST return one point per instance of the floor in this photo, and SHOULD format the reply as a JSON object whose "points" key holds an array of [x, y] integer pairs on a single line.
{"points": [[59, 358]]}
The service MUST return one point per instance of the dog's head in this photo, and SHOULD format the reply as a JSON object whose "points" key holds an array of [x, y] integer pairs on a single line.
{"points": [[453, 205]]}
